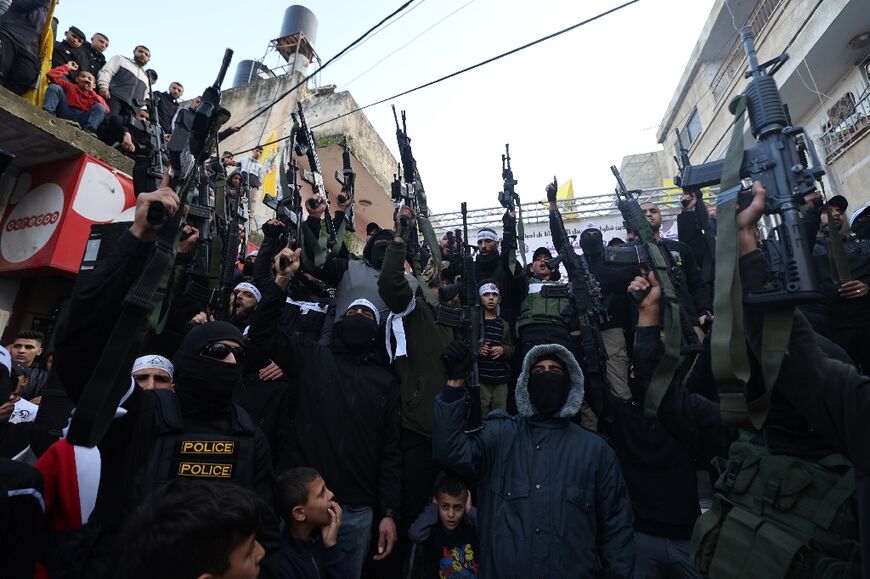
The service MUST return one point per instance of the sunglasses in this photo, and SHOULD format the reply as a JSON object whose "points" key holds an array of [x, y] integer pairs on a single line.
{"points": [[219, 351]]}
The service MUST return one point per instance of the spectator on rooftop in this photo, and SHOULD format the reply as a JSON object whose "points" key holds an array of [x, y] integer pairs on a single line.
{"points": [[91, 53], [123, 81], [20, 32], [68, 49], [77, 101]]}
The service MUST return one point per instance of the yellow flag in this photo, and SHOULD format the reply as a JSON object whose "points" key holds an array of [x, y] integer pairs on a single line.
{"points": [[270, 166], [36, 96], [566, 190]]}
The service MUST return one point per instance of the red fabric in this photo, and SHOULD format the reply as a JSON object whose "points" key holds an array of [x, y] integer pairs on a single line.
{"points": [[58, 468], [75, 97]]}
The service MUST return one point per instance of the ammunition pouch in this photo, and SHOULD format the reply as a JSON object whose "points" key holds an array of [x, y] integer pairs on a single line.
{"points": [[777, 516]]}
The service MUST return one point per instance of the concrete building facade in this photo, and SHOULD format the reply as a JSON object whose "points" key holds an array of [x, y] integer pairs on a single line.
{"points": [[825, 83]]}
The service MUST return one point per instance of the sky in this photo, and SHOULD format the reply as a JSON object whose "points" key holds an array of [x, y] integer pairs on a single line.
{"points": [[569, 107]]}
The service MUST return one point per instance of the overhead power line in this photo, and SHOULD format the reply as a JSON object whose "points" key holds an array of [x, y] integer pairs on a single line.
{"points": [[464, 70]]}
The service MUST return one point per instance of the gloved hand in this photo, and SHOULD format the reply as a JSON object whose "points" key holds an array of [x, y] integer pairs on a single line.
{"points": [[552, 188], [456, 359], [571, 317]]}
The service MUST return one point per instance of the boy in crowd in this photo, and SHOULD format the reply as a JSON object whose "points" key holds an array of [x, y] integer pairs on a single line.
{"points": [[445, 533], [75, 101], [497, 349], [313, 519], [196, 529]]}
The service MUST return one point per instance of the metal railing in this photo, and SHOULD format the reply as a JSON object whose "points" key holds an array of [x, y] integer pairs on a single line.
{"points": [[732, 65], [667, 198], [848, 129]]}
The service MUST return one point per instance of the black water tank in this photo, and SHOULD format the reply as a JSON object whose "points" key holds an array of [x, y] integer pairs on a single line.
{"points": [[246, 72], [299, 19]]}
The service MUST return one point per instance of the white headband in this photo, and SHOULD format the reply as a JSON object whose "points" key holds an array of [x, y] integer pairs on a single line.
{"points": [[489, 288], [153, 361], [365, 303], [486, 234], [249, 287]]}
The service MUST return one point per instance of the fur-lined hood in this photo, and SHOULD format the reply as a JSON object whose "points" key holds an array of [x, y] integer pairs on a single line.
{"points": [[575, 375]]}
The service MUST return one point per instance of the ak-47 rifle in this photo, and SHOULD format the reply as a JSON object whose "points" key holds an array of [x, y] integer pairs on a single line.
{"points": [[111, 377], [471, 328], [306, 146], [408, 189], [585, 293], [510, 200], [347, 178], [652, 255]]}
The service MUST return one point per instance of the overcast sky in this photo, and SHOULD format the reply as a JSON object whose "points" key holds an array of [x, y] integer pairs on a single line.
{"points": [[569, 107]]}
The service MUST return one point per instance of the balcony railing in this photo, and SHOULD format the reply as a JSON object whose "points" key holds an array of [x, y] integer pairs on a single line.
{"points": [[758, 18], [846, 125]]}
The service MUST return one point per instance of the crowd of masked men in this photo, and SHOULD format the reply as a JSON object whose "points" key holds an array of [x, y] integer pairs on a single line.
{"points": [[321, 428]]}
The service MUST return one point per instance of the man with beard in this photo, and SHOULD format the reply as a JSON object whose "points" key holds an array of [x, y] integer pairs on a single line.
{"points": [[242, 305], [156, 436], [167, 105], [346, 420], [123, 81], [552, 500]]}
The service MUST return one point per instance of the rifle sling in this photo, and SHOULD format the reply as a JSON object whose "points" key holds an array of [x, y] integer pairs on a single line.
{"points": [[110, 379]]}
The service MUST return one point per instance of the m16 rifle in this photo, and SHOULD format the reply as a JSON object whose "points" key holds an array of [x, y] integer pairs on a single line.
{"points": [[652, 256], [775, 160], [347, 178], [471, 328], [586, 296], [306, 146], [155, 168], [288, 210], [408, 189], [110, 379], [510, 200]]}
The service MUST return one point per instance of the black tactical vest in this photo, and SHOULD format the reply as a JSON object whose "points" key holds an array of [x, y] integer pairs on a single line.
{"points": [[195, 449]]}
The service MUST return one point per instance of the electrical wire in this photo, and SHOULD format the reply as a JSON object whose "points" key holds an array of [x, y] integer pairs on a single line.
{"points": [[482, 63], [343, 51], [464, 70]]}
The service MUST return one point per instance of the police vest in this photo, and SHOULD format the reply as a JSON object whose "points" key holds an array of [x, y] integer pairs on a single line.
{"points": [[543, 305], [194, 450], [779, 516]]}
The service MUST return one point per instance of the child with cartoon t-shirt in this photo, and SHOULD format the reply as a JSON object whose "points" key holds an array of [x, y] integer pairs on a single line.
{"points": [[445, 534]]}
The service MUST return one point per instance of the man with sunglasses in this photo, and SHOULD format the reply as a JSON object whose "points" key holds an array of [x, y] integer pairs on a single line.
{"points": [[156, 435]]}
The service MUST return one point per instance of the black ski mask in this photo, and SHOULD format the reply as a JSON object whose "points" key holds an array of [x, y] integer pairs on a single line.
{"points": [[204, 383], [548, 392], [356, 332], [590, 242], [374, 253]]}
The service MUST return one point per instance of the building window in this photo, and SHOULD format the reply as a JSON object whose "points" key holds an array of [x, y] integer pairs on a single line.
{"points": [[692, 129]]}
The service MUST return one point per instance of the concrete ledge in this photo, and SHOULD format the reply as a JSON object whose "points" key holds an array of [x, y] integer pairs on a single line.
{"points": [[36, 137]]}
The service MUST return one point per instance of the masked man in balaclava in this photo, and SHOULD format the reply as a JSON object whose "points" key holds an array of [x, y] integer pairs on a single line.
{"points": [[352, 279], [552, 500], [155, 435], [346, 419]]}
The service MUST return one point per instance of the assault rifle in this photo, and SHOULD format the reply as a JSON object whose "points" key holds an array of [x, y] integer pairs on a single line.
{"points": [[471, 328], [232, 238], [585, 293], [510, 200], [347, 178], [408, 189], [708, 269], [775, 161], [288, 210], [306, 146], [154, 172], [110, 379], [651, 255]]}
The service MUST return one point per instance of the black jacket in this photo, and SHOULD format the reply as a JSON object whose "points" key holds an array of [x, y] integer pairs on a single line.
{"points": [[312, 560], [90, 59], [23, 22], [166, 109], [94, 307], [346, 420]]}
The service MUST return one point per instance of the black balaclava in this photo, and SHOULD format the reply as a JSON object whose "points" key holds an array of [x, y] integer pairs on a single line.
{"points": [[548, 390], [354, 332], [591, 242], [861, 228], [203, 383], [374, 254]]}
